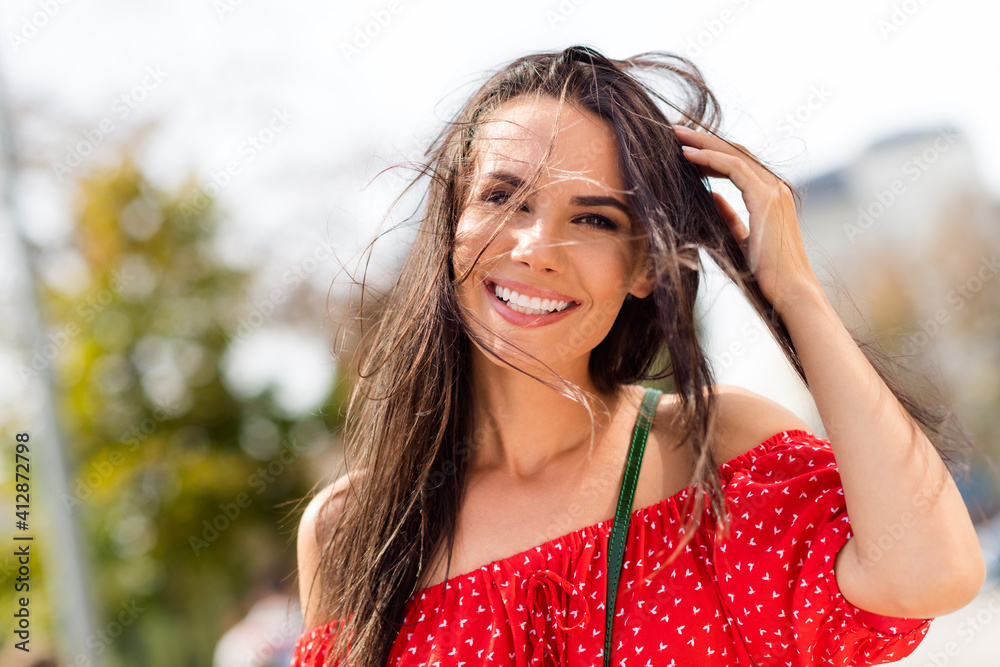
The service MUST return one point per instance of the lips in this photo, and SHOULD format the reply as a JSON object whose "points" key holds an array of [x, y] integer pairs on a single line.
{"points": [[533, 317], [530, 290], [529, 305]]}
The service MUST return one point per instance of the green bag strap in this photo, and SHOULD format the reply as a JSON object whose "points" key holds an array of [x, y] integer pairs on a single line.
{"points": [[616, 546]]}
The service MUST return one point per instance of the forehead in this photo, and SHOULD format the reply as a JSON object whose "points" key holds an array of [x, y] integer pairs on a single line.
{"points": [[517, 136]]}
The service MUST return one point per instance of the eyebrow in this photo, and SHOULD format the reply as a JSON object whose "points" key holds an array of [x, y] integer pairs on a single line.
{"points": [[578, 200]]}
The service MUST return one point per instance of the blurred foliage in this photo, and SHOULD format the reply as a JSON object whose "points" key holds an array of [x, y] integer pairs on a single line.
{"points": [[181, 486]]}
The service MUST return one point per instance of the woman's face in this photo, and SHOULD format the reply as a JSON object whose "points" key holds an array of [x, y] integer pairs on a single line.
{"points": [[555, 276]]}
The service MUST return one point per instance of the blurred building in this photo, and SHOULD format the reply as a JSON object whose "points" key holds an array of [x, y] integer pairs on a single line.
{"points": [[265, 637], [897, 192], [911, 234], [909, 229]]}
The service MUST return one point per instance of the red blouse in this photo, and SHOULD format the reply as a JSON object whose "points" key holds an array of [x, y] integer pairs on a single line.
{"points": [[766, 595]]}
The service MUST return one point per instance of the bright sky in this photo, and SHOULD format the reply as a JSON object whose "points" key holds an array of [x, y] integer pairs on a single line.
{"points": [[293, 100], [226, 65]]}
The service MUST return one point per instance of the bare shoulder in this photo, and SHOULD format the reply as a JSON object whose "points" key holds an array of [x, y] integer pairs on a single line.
{"points": [[746, 419], [318, 519]]}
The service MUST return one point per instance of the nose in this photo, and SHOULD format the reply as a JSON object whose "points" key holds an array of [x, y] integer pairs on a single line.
{"points": [[539, 245]]}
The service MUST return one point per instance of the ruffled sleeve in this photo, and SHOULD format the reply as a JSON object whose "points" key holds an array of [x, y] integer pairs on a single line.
{"points": [[775, 570]]}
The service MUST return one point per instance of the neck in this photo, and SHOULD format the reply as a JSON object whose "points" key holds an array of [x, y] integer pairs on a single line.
{"points": [[524, 426]]}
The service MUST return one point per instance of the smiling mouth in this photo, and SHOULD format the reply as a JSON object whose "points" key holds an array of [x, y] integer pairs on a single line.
{"points": [[522, 303]]}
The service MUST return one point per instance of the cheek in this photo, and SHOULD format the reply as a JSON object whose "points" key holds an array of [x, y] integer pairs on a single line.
{"points": [[472, 234], [608, 271], [467, 246], [470, 263]]}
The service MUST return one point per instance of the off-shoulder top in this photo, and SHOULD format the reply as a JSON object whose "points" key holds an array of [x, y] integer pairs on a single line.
{"points": [[764, 595]]}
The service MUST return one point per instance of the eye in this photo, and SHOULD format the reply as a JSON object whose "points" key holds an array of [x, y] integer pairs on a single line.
{"points": [[599, 221], [498, 197]]}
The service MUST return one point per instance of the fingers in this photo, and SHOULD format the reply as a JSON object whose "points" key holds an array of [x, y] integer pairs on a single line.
{"points": [[704, 140], [728, 166], [733, 221], [705, 169]]}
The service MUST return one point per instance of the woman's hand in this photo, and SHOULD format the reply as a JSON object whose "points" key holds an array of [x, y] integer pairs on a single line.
{"points": [[891, 473], [773, 246]]}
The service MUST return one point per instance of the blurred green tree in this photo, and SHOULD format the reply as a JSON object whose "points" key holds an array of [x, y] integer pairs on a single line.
{"points": [[179, 482]]}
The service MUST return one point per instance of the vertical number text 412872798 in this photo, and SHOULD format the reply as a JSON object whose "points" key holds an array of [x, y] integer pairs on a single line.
{"points": [[22, 543]]}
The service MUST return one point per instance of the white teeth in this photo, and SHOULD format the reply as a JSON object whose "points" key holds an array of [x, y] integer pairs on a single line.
{"points": [[527, 305]]}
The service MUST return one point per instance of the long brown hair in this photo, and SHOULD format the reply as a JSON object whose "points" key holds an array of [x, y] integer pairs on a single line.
{"points": [[409, 421]]}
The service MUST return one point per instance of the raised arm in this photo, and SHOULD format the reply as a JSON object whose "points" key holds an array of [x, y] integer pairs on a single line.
{"points": [[914, 550]]}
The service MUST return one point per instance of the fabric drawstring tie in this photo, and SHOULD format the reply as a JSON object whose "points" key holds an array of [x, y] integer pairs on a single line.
{"points": [[551, 596]]}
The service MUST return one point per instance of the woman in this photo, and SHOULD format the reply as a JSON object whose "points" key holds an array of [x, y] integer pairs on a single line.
{"points": [[555, 267]]}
